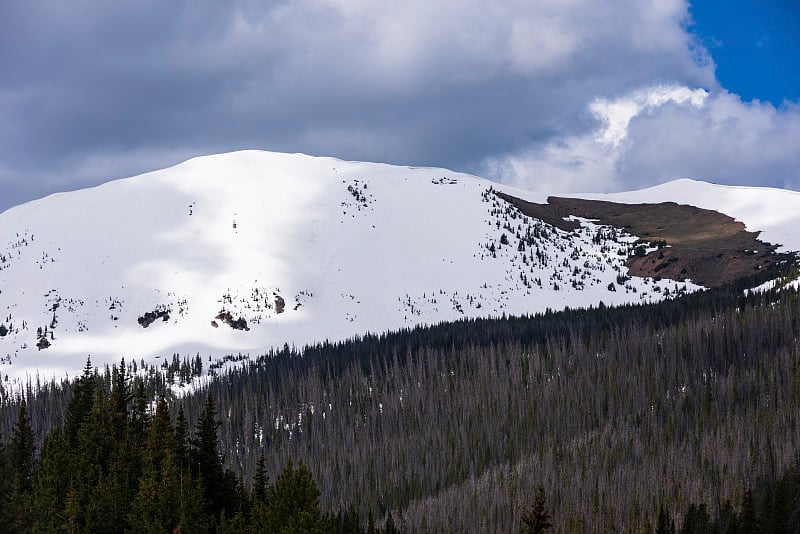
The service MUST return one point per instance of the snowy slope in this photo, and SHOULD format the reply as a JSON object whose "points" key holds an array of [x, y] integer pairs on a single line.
{"points": [[287, 249]]}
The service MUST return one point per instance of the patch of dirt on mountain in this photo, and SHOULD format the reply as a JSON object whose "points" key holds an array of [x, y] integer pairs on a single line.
{"points": [[706, 246]]}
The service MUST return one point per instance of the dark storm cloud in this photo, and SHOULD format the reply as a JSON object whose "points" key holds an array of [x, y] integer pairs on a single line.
{"points": [[91, 91]]}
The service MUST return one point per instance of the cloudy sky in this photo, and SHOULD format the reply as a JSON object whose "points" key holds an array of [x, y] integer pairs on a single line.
{"points": [[553, 95]]}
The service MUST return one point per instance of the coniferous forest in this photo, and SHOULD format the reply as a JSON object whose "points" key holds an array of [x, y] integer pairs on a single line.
{"points": [[682, 416]]}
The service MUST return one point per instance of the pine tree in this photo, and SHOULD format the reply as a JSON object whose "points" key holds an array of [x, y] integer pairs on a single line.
{"points": [[347, 522], [389, 527], [727, 522], [205, 451], [748, 523], [52, 482], [5, 489], [160, 438], [182, 438], [292, 505], [260, 482], [168, 500], [537, 520], [664, 525], [120, 396], [219, 487], [16, 501], [696, 520], [140, 417], [72, 512], [80, 405], [22, 448], [110, 463]]}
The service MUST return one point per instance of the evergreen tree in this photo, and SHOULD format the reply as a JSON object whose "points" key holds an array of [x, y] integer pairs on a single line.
{"points": [[537, 520], [389, 527], [219, 488], [16, 501], [110, 462], [182, 438], [347, 522], [140, 417], [748, 522], [22, 448], [5, 489], [53, 483], [260, 482], [726, 522], [160, 438], [664, 524], [73, 522], [80, 405], [120, 396], [696, 520], [168, 500], [292, 505]]}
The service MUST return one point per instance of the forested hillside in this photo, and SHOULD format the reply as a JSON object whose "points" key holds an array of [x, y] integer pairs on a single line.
{"points": [[616, 412], [115, 466]]}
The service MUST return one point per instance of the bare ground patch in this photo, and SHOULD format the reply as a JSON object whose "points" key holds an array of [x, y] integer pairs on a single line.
{"points": [[706, 246]]}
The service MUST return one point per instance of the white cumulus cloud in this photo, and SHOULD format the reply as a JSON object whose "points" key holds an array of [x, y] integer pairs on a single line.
{"points": [[659, 133]]}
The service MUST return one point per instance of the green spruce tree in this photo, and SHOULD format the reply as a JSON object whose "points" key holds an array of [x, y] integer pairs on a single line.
{"points": [[537, 520], [292, 503]]}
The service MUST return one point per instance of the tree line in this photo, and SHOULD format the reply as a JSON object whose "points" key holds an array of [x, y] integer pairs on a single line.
{"points": [[117, 465], [617, 413]]}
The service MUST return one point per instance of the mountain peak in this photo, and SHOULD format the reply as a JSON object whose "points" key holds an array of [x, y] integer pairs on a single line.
{"points": [[244, 251]]}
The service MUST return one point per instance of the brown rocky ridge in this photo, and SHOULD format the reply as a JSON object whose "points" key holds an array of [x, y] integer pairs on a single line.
{"points": [[705, 246]]}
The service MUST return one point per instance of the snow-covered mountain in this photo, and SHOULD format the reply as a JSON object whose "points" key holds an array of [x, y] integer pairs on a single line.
{"points": [[245, 251]]}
